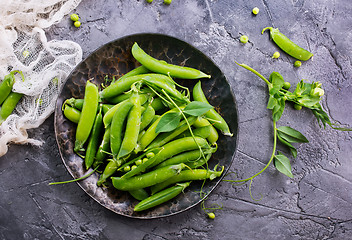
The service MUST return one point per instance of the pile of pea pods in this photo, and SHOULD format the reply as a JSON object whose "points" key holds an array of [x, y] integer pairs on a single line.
{"points": [[8, 98], [119, 132]]}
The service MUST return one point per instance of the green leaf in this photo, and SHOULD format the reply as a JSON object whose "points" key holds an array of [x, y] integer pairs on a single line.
{"points": [[291, 135], [308, 101], [277, 111], [168, 122], [197, 109], [277, 82], [283, 165], [293, 150], [272, 102]]}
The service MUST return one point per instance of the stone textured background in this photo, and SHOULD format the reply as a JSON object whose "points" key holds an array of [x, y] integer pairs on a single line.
{"points": [[316, 204]]}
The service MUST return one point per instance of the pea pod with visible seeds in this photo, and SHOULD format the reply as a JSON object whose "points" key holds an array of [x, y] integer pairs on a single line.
{"points": [[89, 110], [147, 179], [287, 45], [165, 68], [161, 197]]}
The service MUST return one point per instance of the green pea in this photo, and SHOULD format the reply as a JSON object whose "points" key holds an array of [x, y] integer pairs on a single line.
{"points": [[74, 17], [149, 1], [276, 55], [211, 215], [77, 24], [167, 2], [133, 167], [145, 160], [139, 162], [297, 106], [150, 155], [287, 85], [243, 39], [6, 86], [127, 168], [297, 64], [255, 11]]}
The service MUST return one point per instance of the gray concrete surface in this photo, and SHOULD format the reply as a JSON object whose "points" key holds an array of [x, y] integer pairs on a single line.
{"points": [[315, 204]]}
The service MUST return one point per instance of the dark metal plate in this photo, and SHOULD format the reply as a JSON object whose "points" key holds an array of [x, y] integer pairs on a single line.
{"points": [[115, 58]]}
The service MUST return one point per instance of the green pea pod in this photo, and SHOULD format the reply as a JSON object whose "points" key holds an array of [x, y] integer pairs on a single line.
{"points": [[94, 140], [161, 84], [178, 146], [117, 124], [72, 114], [157, 104], [89, 110], [187, 175], [147, 117], [130, 138], [150, 134], [137, 71], [75, 103], [203, 132], [132, 161], [165, 68], [139, 194], [9, 105], [140, 168], [219, 123], [122, 97], [287, 45], [192, 158], [161, 197], [164, 138], [103, 148], [6, 86], [147, 179], [213, 136], [119, 87], [109, 170], [106, 108]]}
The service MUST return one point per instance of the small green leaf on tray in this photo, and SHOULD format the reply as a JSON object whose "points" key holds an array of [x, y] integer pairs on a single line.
{"points": [[197, 108], [282, 164], [168, 122]]}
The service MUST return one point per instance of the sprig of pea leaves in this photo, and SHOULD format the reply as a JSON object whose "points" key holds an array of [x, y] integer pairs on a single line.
{"points": [[306, 95]]}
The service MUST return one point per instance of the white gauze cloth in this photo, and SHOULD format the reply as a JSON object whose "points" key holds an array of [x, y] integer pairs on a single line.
{"points": [[45, 65]]}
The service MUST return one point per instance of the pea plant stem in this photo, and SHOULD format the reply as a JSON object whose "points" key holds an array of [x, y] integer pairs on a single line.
{"points": [[266, 166], [189, 126], [254, 71]]}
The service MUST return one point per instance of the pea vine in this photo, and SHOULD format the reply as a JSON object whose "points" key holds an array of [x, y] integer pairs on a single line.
{"points": [[306, 95]]}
